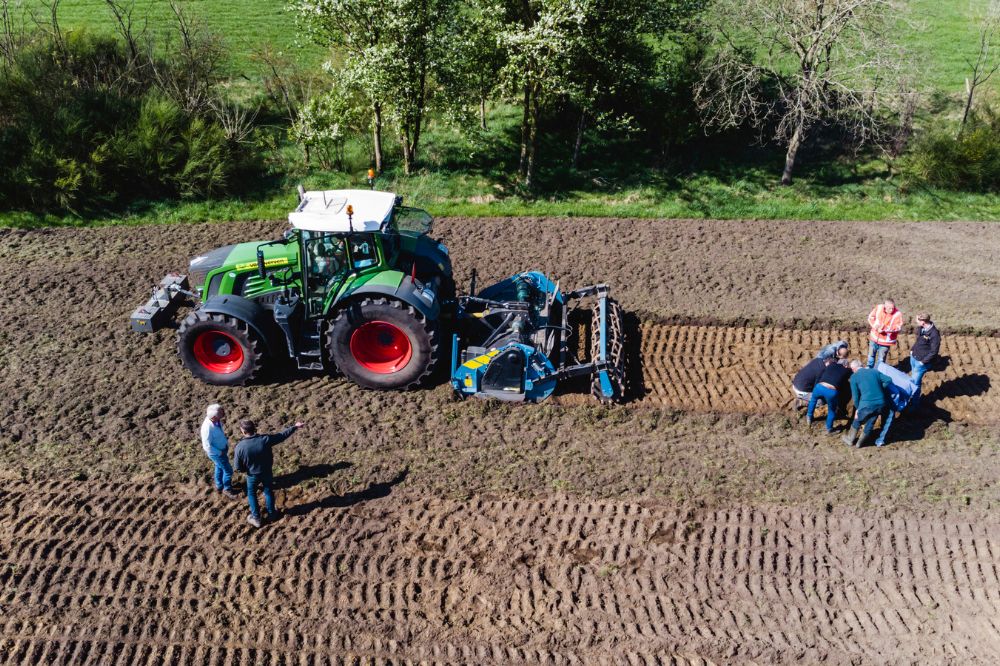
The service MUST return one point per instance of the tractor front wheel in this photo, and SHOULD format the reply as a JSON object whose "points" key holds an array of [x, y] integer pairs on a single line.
{"points": [[383, 344], [219, 349]]}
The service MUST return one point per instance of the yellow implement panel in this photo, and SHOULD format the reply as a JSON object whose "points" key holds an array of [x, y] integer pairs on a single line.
{"points": [[480, 361]]}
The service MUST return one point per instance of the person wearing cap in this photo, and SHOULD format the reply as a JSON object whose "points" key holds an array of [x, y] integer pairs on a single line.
{"points": [[886, 321], [254, 458], [215, 444], [925, 348]]}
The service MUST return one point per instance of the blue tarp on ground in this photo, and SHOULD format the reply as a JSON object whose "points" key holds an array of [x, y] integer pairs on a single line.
{"points": [[902, 389]]}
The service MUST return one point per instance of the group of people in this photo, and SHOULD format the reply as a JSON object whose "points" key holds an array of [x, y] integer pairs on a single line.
{"points": [[832, 378], [252, 456], [875, 388]]}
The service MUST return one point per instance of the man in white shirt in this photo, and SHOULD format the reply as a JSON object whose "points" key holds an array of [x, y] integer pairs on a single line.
{"points": [[216, 447]]}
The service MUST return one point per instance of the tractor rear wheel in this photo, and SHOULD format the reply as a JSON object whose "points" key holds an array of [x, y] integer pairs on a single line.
{"points": [[219, 349], [381, 343]]}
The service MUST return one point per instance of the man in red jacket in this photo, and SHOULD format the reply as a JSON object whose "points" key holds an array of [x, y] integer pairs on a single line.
{"points": [[886, 321]]}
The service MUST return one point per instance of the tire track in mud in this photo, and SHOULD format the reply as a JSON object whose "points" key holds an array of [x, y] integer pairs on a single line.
{"points": [[749, 370], [127, 573]]}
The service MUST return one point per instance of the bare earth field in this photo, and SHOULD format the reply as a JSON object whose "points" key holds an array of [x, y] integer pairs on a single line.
{"points": [[700, 523]]}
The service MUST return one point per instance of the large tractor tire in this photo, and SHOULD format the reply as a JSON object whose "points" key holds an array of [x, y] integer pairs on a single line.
{"points": [[219, 349], [382, 343]]}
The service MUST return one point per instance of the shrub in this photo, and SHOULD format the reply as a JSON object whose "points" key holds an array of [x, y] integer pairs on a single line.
{"points": [[970, 161], [84, 127]]}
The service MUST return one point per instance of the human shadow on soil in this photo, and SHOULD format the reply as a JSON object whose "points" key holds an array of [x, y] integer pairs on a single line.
{"points": [[939, 364], [913, 426], [307, 472], [372, 492], [968, 385]]}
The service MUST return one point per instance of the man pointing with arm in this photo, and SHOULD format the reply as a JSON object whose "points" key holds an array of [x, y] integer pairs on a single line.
{"points": [[255, 459]]}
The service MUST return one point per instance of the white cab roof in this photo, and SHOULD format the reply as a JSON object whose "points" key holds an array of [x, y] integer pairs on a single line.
{"points": [[326, 210]]}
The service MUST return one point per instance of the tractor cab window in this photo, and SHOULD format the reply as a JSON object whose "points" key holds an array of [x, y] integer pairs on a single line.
{"points": [[362, 250], [413, 219], [326, 263]]}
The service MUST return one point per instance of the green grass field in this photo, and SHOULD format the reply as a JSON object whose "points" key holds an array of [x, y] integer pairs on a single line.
{"points": [[455, 182], [944, 36], [245, 25]]}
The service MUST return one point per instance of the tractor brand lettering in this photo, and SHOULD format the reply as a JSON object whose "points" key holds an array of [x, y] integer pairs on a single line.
{"points": [[269, 263]]}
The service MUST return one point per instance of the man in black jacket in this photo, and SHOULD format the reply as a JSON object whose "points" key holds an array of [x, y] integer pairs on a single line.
{"points": [[806, 378], [925, 348], [254, 458]]}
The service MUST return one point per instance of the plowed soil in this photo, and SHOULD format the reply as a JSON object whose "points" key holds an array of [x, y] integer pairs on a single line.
{"points": [[99, 574], [700, 523], [747, 369]]}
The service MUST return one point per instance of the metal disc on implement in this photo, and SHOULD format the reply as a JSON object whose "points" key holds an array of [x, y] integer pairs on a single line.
{"points": [[614, 352]]}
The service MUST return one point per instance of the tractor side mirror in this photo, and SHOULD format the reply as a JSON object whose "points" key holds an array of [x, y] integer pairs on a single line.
{"points": [[261, 270]]}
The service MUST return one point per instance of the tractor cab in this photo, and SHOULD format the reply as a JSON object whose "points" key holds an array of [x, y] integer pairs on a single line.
{"points": [[351, 235]]}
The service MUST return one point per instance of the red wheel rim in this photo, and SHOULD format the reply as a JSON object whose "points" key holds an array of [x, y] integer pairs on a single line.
{"points": [[380, 347], [218, 352]]}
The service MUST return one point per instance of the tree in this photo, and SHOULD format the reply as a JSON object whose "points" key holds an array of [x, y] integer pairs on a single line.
{"points": [[355, 26], [802, 63], [402, 66], [324, 123], [390, 49], [469, 73], [189, 72], [614, 69], [591, 54], [543, 40], [987, 61], [12, 31]]}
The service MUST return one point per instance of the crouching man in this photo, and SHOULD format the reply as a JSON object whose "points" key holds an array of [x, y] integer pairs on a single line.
{"points": [[869, 390], [255, 459]]}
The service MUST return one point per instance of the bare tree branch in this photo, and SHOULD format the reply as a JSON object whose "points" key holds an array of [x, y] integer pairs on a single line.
{"points": [[802, 63], [987, 60], [12, 32]]}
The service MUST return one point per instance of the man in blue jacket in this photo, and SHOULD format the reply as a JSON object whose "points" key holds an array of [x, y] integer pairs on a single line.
{"points": [[869, 391], [255, 459]]}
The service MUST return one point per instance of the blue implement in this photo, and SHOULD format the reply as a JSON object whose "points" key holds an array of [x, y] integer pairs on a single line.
{"points": [[512, 341]]}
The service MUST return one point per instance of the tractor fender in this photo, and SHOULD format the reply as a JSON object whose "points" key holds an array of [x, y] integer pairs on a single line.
{"points": [[406, 291], [256, 316], [431, 256]]}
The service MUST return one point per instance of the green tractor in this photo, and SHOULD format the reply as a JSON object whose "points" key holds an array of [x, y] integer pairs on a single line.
{"points": [[355, 284]]}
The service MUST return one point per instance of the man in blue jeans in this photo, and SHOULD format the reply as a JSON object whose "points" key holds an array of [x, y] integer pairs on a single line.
{"points": [[925, 348], [869, 390], [215, 444], [255, 459], [832, 380]]}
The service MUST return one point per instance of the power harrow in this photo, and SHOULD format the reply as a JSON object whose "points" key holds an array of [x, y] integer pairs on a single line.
{"points": [[512, 341]]}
